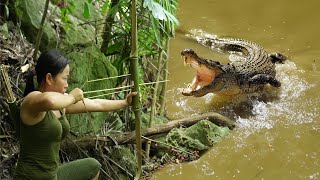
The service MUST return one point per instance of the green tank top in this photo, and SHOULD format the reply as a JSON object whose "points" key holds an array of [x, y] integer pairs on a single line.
{"points": [[39, 148]]}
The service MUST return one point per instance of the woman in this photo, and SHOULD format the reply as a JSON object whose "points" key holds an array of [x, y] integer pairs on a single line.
{"points": [[43, 124]]}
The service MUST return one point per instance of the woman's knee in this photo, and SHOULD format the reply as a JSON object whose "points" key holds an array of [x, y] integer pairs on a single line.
{"points": [[93, 163], [87, 168]]}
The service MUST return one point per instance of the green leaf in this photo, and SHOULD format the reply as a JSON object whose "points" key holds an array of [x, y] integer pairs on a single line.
{"points": [[105, 7], [113, 10], [66, 26], [171, 17], [114, 48], [156, 33], [6, 11], [18, 8], [4, 136], [71, 7], [86, 10], [156, 9], [64, 14]]}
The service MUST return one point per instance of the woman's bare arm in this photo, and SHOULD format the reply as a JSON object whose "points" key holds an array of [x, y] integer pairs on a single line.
{"points": [[99, 105], [36, 103]]}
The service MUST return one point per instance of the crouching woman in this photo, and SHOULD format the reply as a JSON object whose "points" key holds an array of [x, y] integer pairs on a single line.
{"points": [[43, 123]]}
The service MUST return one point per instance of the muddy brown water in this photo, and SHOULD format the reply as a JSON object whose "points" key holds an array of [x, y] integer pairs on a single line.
{"points": [[277, 136]]}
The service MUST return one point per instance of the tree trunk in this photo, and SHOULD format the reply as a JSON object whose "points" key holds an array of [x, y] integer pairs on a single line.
{"points": [[163, 129]]}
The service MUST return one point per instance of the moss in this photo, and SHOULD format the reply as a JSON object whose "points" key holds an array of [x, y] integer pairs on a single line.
{"points": [[186, 144], [198, 137], [126, 159], [75, 34]]}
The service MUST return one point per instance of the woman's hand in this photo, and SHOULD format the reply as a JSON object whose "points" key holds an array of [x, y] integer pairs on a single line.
{"points": [[77, 94], [129, 97]]}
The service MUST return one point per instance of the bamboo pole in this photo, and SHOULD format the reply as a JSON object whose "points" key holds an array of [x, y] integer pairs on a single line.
{"points": [[136, 106]]}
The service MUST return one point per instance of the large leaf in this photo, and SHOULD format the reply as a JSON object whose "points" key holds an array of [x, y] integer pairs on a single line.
{"points": [[156, 9], [159, 12]]}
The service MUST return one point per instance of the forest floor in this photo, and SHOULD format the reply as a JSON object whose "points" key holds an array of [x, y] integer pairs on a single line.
{"points": [[15, 56]]}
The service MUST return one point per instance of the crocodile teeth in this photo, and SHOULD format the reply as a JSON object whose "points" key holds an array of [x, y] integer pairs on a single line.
{"points": [[194, 64]]}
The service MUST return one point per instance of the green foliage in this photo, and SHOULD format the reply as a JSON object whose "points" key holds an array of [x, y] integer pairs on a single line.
{"points": [[154, 19], [156, 23], [113, 10], [18, 9], [105, 6], [162, 18], [159, 12], [86, 10], [66, 10]]}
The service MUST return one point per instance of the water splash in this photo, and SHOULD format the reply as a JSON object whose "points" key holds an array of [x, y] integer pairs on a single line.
{"points": [[285, 107]]}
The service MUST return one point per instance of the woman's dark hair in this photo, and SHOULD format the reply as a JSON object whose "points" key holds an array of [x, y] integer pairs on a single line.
{"points": [[52, 62]]}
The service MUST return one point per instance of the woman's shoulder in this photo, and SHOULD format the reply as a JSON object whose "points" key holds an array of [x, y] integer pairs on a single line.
{"points": [[35, 95], [29, 112], [32, 95]]}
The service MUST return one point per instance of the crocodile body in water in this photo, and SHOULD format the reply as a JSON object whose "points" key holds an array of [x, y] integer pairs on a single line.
{"points": [[250, 70]]}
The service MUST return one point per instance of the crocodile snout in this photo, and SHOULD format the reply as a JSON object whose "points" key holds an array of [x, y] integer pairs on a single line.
{"points": [[187, 52]]}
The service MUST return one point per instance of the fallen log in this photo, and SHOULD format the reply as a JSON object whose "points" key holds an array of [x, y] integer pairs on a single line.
{"points": [[162, 129]]}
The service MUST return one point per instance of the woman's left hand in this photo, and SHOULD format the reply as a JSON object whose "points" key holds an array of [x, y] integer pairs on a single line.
{"points": [[129, 97]]}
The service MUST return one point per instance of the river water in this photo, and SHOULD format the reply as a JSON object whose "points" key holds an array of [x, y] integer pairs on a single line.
{"points": [[277, 135]]}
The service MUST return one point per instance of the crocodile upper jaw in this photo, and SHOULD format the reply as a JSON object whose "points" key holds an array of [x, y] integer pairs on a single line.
{"points": [[204, 76]]}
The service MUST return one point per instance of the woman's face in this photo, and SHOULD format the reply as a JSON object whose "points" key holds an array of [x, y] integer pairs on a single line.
{"points": [[60, 82]]}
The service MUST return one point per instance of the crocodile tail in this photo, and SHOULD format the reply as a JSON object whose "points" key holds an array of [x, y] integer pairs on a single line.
{"points": [[277, 57]]}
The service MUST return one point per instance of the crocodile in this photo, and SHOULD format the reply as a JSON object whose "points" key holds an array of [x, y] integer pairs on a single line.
{"points": [[250, 70]]}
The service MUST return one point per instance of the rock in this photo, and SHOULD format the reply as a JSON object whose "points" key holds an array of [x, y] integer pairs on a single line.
{"points": [[32, 11], [89, 62], [75, 31]]}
